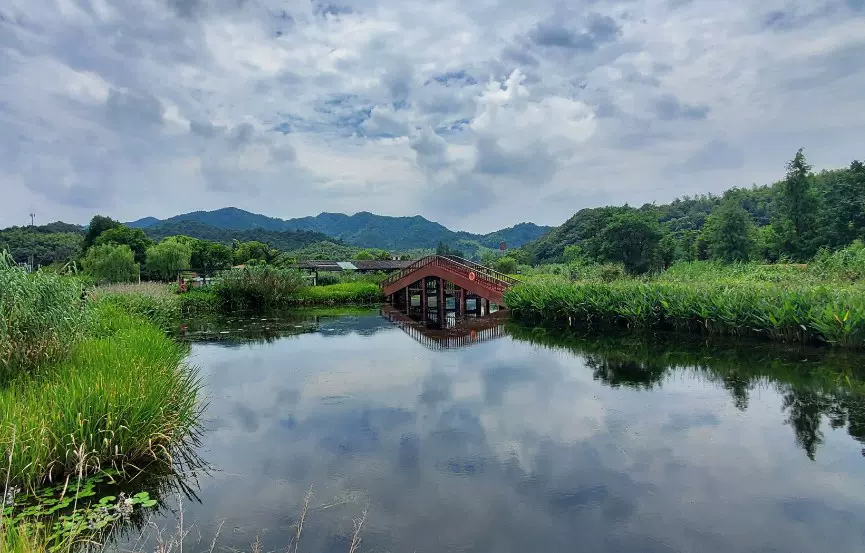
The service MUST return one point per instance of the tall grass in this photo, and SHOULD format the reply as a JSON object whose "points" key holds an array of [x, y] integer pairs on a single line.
{"points": [[355, 293], [826, 314], [257, 287], [41, 317], [122, 396]]}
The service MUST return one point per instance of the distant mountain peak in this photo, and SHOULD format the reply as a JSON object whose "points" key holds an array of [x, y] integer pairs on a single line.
{"points": [[364, 229]]}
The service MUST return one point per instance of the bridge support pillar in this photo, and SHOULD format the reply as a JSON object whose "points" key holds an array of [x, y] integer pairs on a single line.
{"points": [[441, 300], [423, 298], [485, 306], [462, 301]]}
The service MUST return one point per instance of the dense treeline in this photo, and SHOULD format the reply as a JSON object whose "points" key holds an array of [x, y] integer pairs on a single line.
{"points": [[286, 240], [791, 220], [47, 244]]}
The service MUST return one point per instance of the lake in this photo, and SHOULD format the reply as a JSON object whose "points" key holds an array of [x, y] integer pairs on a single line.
{"points": [[497, 438]]}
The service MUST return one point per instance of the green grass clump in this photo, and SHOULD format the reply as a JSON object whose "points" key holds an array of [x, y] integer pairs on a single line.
{"points": [[357, 293], [257, 287], [122, 396], [41, 317], [826, 314]]}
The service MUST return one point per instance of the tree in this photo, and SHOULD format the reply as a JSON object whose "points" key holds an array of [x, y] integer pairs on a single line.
{"points": [[729, 233], [668, 250], [631, 238], [573, 254], [797, 209], [445, 249], [254, 251], [111, 263], [98, 225], [372, 253], [135, 238], [844, 213], [506, 265], [167, 258]]}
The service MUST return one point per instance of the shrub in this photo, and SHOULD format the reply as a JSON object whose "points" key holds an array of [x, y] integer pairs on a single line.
{"points": [[258, 287]]}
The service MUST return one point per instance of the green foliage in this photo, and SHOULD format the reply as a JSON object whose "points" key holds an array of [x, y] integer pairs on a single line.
{"points": [[166, 259], [823, 314], [372, 254], [59, 518], [137, 241], [349, 293], [285, 240], [254, 252], [41, 317], [325, 250], [257, 287], [122, 396], [632, 239], [506, 265], [729, 233], [446, 249], [98, 225], [111, 263], [792, 218], [44, 245], [361, 229]]}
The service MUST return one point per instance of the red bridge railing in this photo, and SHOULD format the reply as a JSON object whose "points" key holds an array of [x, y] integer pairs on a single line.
{"points": [[489, 278]]}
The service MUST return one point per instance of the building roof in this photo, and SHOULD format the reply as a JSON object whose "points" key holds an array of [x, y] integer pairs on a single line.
{"points": [[359, 265]]}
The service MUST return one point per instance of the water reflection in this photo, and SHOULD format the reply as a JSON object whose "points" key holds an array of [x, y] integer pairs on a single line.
{"points": [[533, 441]]}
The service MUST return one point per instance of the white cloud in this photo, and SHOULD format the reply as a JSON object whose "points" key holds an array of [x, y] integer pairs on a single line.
{"points": [[515, 111]]}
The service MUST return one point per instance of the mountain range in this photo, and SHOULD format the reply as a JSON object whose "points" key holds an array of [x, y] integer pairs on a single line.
{"points": [[362, 229]]}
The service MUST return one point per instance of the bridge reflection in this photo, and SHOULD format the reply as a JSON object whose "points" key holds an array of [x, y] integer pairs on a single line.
{"points": [[451, 332]]}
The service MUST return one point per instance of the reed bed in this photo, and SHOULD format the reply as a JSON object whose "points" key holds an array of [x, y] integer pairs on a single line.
{"points": [[41, 317], [808, 314], [349, 293], [122, 397], [257, 288]]}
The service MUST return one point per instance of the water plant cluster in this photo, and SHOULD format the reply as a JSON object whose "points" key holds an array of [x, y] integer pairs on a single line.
{"points": [[806, 313]]}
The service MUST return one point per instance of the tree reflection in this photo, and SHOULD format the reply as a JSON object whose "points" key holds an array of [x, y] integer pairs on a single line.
{"points": [[816, 385]]}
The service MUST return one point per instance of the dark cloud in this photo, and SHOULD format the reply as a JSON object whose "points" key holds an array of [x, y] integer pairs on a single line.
{"points": [[133, 110], [204, 128], [670, 108], [431, 149], [186, 8], [599, 30]]}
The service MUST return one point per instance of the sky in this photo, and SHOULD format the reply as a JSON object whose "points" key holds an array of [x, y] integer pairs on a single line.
{"points": [[478, 114]]}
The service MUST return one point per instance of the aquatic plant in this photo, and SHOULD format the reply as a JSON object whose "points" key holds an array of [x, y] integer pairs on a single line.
{"points": [[41, 317], [356, 293], [257, 287], [122, 396], [825, 314]]}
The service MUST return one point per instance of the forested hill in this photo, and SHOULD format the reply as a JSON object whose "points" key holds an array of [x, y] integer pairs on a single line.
{"points": [[361, 229], [283, 240], [790, 219]]}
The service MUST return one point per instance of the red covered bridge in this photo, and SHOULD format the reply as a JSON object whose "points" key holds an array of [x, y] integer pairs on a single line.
{"points": [[447, 283]]}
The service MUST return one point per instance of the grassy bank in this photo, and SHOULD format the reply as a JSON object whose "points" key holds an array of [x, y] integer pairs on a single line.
{"points": [[122, 395], [792, 313]]}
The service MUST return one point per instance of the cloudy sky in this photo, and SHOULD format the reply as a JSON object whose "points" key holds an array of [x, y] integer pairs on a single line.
{"points": [[476, 113]]}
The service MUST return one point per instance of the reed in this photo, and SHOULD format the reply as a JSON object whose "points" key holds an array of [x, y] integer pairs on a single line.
{"points": [[832, 315], [349, 293], [122, 397], [41, 317]]}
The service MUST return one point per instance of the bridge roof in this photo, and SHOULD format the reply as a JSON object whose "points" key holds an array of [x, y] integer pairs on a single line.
{"points": [[357, 264]]}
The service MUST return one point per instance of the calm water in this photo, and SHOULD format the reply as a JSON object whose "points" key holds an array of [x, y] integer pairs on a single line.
{"points": [[522, 441]]}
